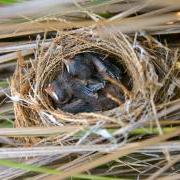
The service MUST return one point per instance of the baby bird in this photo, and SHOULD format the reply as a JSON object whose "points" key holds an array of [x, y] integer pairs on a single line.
{"points": [[85, 66], [65, 87], [59, 90], [80, 67], [79, 106], [104, 67], [114, 91], [113, 70]]}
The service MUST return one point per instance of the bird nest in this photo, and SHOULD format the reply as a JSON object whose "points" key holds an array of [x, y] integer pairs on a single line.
{"points": [[140, 84]]}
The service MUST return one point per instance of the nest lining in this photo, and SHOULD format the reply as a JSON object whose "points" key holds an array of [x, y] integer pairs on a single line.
{"points": [[34, 107]]}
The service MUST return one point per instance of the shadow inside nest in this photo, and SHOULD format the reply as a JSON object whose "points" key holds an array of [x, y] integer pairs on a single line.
{"points": [[89, 82]]}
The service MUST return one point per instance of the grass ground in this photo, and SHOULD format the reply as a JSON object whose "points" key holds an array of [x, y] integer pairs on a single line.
{"points": [[148, 150]]}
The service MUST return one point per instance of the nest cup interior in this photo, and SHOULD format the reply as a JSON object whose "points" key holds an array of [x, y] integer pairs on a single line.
{"points": [[125, 80]]}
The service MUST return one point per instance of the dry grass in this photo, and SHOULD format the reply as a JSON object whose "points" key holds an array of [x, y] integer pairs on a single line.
{"points": [[138, 139]]}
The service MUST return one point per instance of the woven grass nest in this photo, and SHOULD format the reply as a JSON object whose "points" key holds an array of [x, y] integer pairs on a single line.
{"points": [[34, 108]]}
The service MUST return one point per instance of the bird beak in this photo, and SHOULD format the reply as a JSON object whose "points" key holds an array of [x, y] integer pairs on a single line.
{"points": [[49, 90], [55, 96], [67, 62]]}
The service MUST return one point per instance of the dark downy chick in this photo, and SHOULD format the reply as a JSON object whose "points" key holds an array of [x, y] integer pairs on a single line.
{"points": [[114, 91], [112, 69], [104, 102], [104, 66], [59, 90], [65, 87], [79, 106], [80, 67], [88, 66]]}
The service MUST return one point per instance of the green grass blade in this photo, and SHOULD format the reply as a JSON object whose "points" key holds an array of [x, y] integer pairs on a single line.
{"points": [[92, 177], [28, 167], [33, 168], [7, 1]]}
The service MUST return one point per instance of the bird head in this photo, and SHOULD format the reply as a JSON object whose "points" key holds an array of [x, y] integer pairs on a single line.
{"points": [[59, 91], [51, 91]]}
